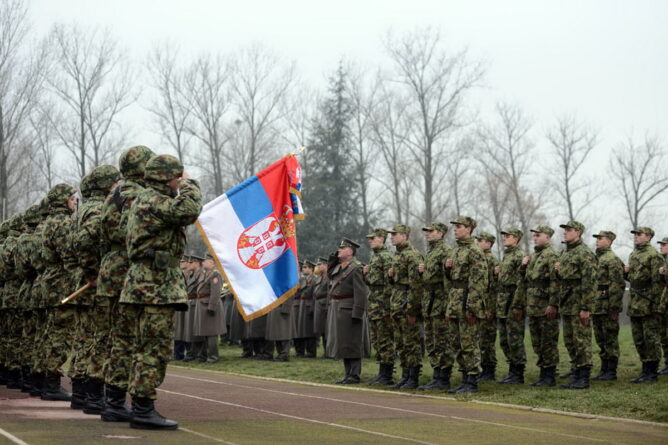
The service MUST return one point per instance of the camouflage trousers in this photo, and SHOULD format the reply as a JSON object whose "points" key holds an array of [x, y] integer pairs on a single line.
{"points": [[647, 337], [29, 329], [664, 336], [407, 341], [92, 348], [438, 339], [511, 337], [545, 340], [154, 328], [488, 342], [122, 333], [82, 330], [38, 351], [12, 339], [382, 340], [467, 344], [58, 338], [577, 338], [606, 332]]}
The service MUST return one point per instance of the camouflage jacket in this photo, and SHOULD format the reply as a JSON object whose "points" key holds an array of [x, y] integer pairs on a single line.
{"points": [[380, 290], [406, 283], [86, 241], [610, 292], [492, 281], [60, 261], [155, 243], [114, 263], [24, 268], [509, 278], [436, 284], [577, 279], [469, 281], [10, 291], [538, 286], [39, 264], [646, 282]]}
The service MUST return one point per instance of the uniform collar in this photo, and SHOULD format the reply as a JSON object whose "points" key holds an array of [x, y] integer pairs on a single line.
{"points": [[465, 242], [511, 249]]}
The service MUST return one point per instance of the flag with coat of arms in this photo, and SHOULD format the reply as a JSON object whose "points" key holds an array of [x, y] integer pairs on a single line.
{"points": [[250, 232]]}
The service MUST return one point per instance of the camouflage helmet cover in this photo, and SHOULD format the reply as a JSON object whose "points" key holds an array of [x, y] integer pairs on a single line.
{"points": [[133, 161], [103, 177], [59, 195], [163, 168], [32, 216]]}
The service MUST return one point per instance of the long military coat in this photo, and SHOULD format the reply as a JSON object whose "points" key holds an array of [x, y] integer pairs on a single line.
{"points": [[279, 322], [306, 309], [192, 283], [320, 291], [209, 313]]}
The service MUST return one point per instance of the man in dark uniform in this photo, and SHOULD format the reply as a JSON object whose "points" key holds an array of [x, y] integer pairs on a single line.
{"points": [[305, 314], [320, 291]]}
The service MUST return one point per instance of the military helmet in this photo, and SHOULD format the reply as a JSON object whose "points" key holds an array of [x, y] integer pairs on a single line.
{"points": [[4, 229], [103, 177], [59, 195], [32, 216], [16, 222], [85, 186], [163, 168], [133, 161], [44, 207]]}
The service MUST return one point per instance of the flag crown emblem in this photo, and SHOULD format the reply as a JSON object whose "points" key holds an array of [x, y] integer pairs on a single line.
{"points": [[262, 243]]}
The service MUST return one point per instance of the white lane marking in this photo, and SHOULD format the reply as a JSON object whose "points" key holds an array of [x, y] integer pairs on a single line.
{"points": [[12, 437], [303, 419], [405, 410], [215, 439]]}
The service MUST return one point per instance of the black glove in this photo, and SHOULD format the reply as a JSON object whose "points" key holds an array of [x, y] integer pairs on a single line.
{"points": [[333, 260]]}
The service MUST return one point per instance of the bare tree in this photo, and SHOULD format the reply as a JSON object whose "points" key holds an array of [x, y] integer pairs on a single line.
{"points": [[639, 174], [437, 81], [94, 84], [22, 69], [169, 106], [494, 200], [571, 144], [298, 110], [44, 143]]}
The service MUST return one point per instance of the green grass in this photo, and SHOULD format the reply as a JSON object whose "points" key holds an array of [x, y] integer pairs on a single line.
{"points": [[618, 399]]}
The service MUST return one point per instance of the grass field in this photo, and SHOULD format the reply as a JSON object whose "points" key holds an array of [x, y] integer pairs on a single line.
{"points": [[618, 399]]}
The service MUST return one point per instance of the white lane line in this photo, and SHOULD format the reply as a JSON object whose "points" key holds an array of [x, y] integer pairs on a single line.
{"points": [[12, 437], [215, 439], [302, 419], [404, 410]]}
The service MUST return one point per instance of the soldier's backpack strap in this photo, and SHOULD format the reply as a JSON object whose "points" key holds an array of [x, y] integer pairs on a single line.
{"points": [[117, 198]]}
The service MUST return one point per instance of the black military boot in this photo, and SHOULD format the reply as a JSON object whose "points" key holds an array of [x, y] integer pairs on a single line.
{"points": [[247, 348], [374, 380], [582, 381], [488, 373], [37, 384], [516, 375], [642, 374], [53, 391], [611, 372], [651, 372], [604, 370], [510, 376], [78, 393], [404, 378], [541, 376], [574, 379], [568, 375], [470, 384], [664, 371], [115, 409], [433, 382], [386, 375], [413, 380], [94, 397], [26, 379], [14, 379], [354, 373], [549, 377], [144, 416], [346, 367], [443, 379], [464, 379]]}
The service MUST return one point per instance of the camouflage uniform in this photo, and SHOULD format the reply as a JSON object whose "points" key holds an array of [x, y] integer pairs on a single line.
{"points": [[577, 290], [609, 297], [511, 331], [645, 303], [537, 290], [466, 297], [488, 327], [664, 317], [405, 301]]}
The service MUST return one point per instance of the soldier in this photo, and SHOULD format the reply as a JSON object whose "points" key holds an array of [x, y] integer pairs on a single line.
{"points": [[536, 297], [576, 271], [113, 269], [305, 315], [349, 295], [608, 304], [297, 341], [405, 306], [4, 319], [467, 270], [645, 305], [380, 321], [154, 286], [664, 319], [320, 291], [180, 320], [279, 329], [511, 330], [193, 343], [209, 316], [485, 241], [436, 286]]}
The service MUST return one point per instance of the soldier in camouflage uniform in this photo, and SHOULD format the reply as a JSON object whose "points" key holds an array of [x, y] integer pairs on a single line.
{"points": [[664, 319], [486, 241], [154, 286], [608, 304], [538, 290], [645, 303], [405, 305], [94, 321], [380, 321], [113, 268], [577, 272], [467, 271], [4, 372], [511, 330], [438, 338]]}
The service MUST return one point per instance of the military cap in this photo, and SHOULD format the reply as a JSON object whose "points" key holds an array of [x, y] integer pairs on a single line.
{"points": [[645, 230], [163, 168], [577, 225], [400, 228], [103, 177], [59, 195], [322, 260], [605, 234], [309, 263], [663, 241], [436, 226], [486, 236], [345, 242], [547, 230], [32, 215], [465, 220], [377, 232], [185, 259], [196, 257], [133, 161], [514, 231]]}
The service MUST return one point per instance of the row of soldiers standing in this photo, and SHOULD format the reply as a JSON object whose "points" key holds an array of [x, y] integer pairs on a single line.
{"points": [[121, 247]]}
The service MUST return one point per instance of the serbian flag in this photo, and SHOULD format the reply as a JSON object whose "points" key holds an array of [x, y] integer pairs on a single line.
{"points": [[250, 232]]}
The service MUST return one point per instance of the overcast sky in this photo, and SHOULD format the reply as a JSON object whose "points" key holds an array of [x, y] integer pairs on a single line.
{"points": [[606, 61]]}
